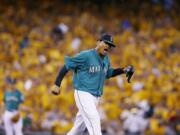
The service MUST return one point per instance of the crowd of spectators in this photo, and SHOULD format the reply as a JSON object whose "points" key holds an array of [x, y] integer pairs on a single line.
{"points": [[35, 37]]}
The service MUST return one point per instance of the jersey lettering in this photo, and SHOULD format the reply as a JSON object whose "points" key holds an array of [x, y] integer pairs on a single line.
{"points": [[12, 98], [93, 69], [105, 71]]}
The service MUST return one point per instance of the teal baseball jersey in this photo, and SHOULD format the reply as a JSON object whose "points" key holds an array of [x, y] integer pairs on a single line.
{"points": [[90, 71], [12, 99]]}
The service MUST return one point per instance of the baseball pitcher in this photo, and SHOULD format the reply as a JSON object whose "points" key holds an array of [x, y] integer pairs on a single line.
{"points": [[91, 68]]}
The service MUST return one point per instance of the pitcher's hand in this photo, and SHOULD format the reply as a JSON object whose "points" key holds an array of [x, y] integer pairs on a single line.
{"points": [[55, 90]]}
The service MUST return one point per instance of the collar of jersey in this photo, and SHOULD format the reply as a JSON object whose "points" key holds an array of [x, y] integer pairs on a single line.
{"points": [[100, 59]]}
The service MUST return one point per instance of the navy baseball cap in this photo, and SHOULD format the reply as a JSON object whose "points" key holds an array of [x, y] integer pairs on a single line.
{"points": [[10, 80], [107, 39]]}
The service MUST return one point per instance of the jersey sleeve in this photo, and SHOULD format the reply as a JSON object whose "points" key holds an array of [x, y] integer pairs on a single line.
{"points": [[109, 71], [76, 61], [21, 96]]}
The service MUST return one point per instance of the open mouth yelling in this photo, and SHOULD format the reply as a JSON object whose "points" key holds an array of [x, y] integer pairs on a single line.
{"points": [[105, 50]]}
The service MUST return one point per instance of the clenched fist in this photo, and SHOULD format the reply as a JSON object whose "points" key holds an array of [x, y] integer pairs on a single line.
{"points": [[55, 90]]}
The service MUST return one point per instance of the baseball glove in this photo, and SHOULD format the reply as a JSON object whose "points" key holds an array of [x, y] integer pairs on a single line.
{"points": [[15, 118], [129, 70]]}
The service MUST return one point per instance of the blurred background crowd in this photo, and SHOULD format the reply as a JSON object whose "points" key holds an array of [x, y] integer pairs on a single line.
{"points": [[36, 35]]}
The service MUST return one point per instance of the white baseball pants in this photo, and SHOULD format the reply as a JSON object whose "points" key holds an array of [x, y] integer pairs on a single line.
{"points": [[11, 127], [87, 115]]}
